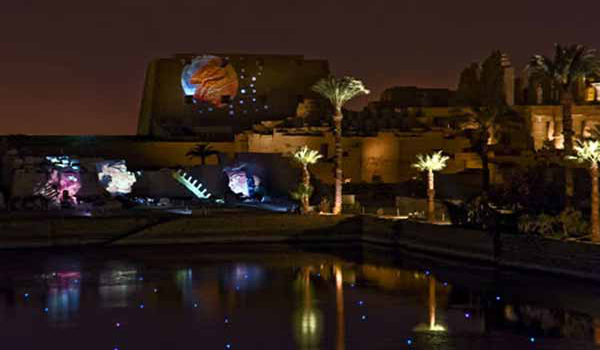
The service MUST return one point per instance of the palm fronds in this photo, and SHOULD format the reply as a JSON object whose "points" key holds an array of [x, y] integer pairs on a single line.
{"points": [[339, 91], [431, 162], [305, 155], [587, 151], [570, 63]]}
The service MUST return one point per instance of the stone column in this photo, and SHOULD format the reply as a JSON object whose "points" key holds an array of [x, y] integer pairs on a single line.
{"points": [[597, 87], [509, 80]]}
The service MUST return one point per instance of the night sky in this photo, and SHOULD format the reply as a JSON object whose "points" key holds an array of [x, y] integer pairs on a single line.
{"points": [[77, 67]]}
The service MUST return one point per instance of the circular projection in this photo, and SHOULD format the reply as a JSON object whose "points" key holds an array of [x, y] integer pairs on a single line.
{"points": [[210, 79]]}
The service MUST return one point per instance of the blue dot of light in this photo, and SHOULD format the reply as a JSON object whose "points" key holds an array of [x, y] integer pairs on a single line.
{"points": [[155, 290], [360, 302], [142, 278], [532, 339], [228, 346], [195, 305], [409, 341], [467, 315], [363, 317], [45, 309], [427, 272], [226, 320], [141, 306], [243, 91], [26, 295], [118, 324], [445, 284], [498, 298]]}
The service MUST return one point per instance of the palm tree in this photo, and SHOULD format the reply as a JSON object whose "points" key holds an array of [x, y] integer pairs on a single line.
{"points": [[570, 65], [481, 87], [202, 151], [430, 163], [589, 152], [338, 92], [305, 156], [489, 122]]}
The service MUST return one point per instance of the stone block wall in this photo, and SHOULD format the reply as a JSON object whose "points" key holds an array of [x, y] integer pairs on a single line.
{"points": [[545, 254]]}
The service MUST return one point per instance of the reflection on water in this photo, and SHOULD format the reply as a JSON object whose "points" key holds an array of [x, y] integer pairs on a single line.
{"points": [[63, 291], [309, 302]]}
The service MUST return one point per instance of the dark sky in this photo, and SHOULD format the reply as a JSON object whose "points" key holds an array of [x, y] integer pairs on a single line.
{"points": [[77, 67]]}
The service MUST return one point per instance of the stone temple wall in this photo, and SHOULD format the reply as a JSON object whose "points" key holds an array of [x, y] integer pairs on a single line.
{"points": [[270, 87]]}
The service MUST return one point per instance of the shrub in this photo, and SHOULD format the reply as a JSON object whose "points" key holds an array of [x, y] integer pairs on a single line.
{"points": [[570, 223]]}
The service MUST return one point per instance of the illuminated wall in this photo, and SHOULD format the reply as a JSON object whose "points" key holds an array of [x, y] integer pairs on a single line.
{"points": [[546, 123], [268, 87]]}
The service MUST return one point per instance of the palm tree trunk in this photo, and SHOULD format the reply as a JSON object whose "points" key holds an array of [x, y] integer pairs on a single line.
{"points": [[339, 154], [430, 198], [306, 182], [595, 221], [202, 159], [566, 101], [485, 164]]}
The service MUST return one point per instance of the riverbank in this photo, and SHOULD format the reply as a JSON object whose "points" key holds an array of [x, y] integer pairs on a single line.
{"points": [[581, 260]]}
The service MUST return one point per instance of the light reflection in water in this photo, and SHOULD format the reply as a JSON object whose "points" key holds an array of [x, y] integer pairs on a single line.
{"points": [[339, 302], [308, 319], [117, 285], [64, 289], [405, 296]]}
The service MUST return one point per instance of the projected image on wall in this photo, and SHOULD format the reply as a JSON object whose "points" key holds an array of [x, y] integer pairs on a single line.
{"points": [[242, 182], [114, 177], [62, 181], [210, 79]]}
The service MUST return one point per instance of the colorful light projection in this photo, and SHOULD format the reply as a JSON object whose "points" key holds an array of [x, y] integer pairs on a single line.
{"points": [[115, 178], [241, 182], [210, 79], [63, 181], [191, 184]]}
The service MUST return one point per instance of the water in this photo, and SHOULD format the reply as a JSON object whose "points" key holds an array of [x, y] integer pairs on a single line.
{"points": [[281, 298]]}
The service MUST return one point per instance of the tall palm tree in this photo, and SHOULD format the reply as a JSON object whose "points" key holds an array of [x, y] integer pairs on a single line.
{"points": [[569, 65], [589, 152], [338, 92], [305, 156], [202, 151], [430, 163], [481, 87], [489, 121]]}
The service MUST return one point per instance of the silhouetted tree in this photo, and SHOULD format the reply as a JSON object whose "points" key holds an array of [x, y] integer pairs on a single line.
{"points": [[202, 151], [569, 65], [482, 89]]}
